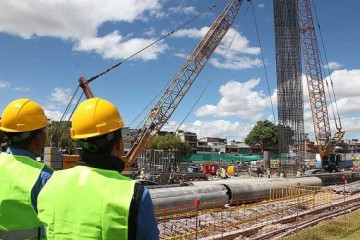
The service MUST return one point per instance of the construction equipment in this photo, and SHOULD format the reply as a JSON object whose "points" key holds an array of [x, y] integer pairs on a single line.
{"points": [[312, 66], [180, 83]]}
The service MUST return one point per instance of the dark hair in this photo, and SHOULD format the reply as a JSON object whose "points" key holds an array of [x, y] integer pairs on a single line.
{"points": [[22, 139], [101, 144]]}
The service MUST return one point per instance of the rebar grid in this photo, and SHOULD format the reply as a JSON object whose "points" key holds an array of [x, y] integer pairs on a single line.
{"points": [[289, 84]]}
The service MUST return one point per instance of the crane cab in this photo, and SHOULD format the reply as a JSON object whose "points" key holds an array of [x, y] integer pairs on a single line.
{"points": [[333, 162]]}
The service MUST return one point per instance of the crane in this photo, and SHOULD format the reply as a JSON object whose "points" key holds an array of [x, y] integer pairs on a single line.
{"points": [[312, 67], [180, 83]]}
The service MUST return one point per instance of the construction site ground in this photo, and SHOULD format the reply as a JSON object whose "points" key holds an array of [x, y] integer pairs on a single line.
{"points": [[310, 213], [345, 227]]}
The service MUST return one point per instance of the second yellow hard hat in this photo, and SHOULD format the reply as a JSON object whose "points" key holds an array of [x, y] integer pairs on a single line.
{"points": [[95, 117]]}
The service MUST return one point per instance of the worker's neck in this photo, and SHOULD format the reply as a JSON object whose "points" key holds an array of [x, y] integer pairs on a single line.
{"points": [[102, 161]]}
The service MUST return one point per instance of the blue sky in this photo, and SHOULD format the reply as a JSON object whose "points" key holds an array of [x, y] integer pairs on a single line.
{"points": [[47, 45]]}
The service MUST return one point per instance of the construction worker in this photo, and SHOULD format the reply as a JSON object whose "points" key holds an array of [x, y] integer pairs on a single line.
{"points": [[94, 201], [172, 177], [268, 173], [298, 173], [142, 173], [23, 122]]}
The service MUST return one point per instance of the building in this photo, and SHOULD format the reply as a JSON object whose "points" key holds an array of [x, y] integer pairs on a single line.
{"points": [[237, 148], [203, 148], [189, 137]]}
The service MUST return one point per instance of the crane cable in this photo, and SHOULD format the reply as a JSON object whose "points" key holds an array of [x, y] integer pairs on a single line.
{"points": [[211, 79], [329, 75], [158, 40], [263, 61], [131, 56], [64, 114], [153, 43]]}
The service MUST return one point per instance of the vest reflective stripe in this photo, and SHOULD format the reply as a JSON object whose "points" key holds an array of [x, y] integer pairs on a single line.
{"points": [[86, 203], [18, 176]]}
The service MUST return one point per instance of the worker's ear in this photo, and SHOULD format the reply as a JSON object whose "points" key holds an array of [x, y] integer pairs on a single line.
{"points": [[118, 148], [40, 138]]}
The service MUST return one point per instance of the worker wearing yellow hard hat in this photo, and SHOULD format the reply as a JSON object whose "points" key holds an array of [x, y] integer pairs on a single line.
{"points": [[94, 201], [23, 123]]}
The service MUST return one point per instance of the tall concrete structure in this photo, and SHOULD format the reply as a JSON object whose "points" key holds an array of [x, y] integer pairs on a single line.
{"points": [[289, 83]]}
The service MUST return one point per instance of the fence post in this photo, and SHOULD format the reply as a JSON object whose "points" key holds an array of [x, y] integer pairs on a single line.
{"points": [[196, 203], [345, 182], [298, 184]]}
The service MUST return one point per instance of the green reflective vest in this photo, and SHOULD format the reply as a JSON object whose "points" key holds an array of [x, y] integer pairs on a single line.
{"points": [[18, 175], [86, 203]]}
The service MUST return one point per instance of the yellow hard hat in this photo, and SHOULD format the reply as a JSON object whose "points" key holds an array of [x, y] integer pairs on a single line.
{"points": [[23, 115], [95, 117]]}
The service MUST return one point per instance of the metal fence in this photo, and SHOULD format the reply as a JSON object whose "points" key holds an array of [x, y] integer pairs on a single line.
{"points": [[250, 220]]}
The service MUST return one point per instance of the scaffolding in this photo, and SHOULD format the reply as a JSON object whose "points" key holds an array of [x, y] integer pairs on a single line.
{"points": [[289, 84]]}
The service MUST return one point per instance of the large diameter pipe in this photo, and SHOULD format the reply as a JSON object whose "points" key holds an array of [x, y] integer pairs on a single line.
{"points": [[246, 190], [181, 199]]}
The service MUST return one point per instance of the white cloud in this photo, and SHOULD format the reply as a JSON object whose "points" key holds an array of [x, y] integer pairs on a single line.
{"points": [[114, 46], [219, 128], [347, 91], [150, 32], [181, 55], [190, 33], [333, 65], [239, 45], [183, 10], [78, 21], [69, 19], [53, 115], [261, 5], [239, 100], [236, 63], [61, 95], [21, 89], [4, 84], [236, 58], [346, 82], [351, 126]]}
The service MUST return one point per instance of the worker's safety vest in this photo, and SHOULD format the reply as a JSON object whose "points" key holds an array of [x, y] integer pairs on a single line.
{"points": [[86, 203], [18, 175]]}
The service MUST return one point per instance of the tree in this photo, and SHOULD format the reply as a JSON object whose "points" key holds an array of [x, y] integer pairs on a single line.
{"points": [[263, 134], [58, 135], [170, 141]]}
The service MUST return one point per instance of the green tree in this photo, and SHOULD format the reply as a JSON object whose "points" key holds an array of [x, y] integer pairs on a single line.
{"points": [[170, 141], [263, 134], [58, 135]]}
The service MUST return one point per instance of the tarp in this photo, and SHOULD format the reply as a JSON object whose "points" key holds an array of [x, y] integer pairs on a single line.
{"points": [[220, 157]]}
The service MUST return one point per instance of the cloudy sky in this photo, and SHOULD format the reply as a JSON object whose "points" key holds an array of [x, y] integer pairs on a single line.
{"points": [[47, 45]]}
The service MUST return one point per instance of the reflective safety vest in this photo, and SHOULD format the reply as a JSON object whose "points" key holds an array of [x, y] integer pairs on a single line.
{"points": [[86, 203], [18, 175]]}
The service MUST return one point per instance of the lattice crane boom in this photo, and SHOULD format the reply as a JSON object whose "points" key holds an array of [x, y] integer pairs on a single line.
{"points": [[182, 81], [315, 83]]}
